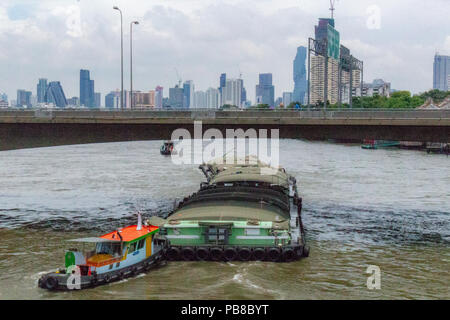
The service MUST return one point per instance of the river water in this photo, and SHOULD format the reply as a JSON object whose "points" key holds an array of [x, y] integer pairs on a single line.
{"points": [[389, 208]]}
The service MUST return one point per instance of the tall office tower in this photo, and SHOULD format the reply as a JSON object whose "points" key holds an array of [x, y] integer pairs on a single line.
{"points": [[300, 84], [188, 91], [287, 98], [222, 82], [441, 72], [87, 96], [265, 91], [23, 98], [159, 97], [212, 98], [112, 100], [232, 92], [55, 94], [243, 94], [98, 99], [176, 97], [41, 88]]}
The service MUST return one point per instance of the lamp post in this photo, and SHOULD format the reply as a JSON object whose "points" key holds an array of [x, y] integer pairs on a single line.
{"points": [[131, 62], [121, 55]]}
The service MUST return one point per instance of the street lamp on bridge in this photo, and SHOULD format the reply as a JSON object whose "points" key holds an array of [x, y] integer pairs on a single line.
{"points": [[131, 62], [121, 55]]}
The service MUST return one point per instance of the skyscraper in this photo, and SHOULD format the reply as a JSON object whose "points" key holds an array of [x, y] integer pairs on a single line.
{"points": [[98, 99], [87, 96], [188, 91], [23, 98], [55, 94], [159, 97], [222, 82], [41, 88], [265, 91], [321, 30], [300, 85], [232, 92], [441, 72]]}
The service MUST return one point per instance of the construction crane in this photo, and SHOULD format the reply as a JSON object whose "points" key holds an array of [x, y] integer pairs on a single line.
{"points": [[178, 77], [332, 2]]}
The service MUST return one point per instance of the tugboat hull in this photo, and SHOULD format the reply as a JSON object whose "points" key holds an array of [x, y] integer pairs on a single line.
{"points": [[66, 282]]}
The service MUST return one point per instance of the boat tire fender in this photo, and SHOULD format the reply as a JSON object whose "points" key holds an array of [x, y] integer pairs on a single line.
{"points": [[188, 254], [51, 283], [216, 253], [244, 254], [259, 254], [173, 254], [273, 254], [289, 255], [230, 254], [202, 253]]}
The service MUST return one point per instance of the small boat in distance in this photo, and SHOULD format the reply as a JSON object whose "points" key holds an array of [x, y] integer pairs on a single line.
{"points": [[379, 144], [167, 148], [116, 255]]}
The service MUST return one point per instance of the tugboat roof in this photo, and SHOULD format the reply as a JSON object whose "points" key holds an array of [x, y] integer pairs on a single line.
{"points": [[130, 233]]}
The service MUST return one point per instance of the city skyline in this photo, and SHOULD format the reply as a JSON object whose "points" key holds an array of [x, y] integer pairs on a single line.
{"points": [[249, 54]]}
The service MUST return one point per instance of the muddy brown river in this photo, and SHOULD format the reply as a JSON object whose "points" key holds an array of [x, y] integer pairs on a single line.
{"points": [[388, 208]]}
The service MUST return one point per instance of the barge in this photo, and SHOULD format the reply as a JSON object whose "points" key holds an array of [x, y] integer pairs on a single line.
{"points": [[117, 255], [242, 212]]}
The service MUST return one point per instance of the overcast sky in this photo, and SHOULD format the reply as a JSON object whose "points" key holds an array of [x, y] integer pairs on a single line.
{"points": [[54, 39]]}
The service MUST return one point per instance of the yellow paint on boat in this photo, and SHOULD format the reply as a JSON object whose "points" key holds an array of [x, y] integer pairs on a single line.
{"points": [[148, 246]]}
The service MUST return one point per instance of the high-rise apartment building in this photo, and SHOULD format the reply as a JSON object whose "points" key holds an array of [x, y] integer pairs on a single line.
{"points": [[300, 83], [441, 72], [176, 97], [232, 92], [159, 97], [213, 98]]}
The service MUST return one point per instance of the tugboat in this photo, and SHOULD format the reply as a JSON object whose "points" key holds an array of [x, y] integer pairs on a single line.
{"points": [[167, 148], [242, 212], [117, 255]]}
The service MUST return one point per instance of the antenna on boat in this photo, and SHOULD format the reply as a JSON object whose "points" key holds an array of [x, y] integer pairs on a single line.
{"points": [[139, 225]]}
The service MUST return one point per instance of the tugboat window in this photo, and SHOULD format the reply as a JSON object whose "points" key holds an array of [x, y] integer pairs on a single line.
{"points": [[132, 247], [141, 244]]}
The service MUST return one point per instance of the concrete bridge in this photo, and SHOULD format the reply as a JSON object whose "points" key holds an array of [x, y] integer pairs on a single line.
{"points": [[42, 128]]}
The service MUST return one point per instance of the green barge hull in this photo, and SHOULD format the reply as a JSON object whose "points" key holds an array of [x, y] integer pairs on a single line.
{"points": [[243, 212]]}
